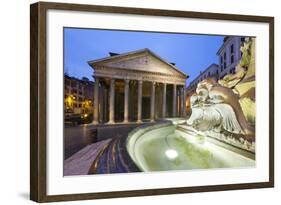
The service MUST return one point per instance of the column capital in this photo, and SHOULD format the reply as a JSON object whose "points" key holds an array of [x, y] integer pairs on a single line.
{"points": [[140, 81], [127, 80]]}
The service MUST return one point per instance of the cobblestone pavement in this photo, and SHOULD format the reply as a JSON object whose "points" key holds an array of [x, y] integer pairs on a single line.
{"points": [[76, 138]]}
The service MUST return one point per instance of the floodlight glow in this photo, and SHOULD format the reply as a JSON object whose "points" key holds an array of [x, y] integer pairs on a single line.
{"points": [[171, 154]]}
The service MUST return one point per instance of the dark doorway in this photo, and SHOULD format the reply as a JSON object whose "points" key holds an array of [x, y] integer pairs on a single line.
{"points": [[169, 101], [145, 107], [119, 107]]}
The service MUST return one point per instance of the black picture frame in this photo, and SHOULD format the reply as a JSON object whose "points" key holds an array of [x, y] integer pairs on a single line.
{"points": [[38, 95]]}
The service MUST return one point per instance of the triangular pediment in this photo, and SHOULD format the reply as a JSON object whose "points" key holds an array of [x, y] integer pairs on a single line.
{"points": [[143, 60]]}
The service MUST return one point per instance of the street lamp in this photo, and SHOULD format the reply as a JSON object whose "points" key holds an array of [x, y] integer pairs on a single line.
{"points": [[70, 101]]}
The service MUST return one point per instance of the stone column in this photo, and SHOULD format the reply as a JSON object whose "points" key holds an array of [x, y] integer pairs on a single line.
{"points": [[181, 102], [139, 100], [111, 101], [184, 100], [164, 100], [152, 102], [105, 104], [126, 100], [96, 101], [177, 102], [174, 100], [101, 102]]}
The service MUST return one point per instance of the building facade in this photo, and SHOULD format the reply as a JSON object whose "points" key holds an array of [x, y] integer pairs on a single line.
{"points": [[78, 95], [229, 54], [137, 86]]}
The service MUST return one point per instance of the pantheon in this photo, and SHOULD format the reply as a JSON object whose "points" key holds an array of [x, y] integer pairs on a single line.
{"points": [[136, 87]]}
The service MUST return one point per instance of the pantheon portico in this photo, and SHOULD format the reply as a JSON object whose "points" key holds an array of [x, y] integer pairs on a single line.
{"points": [[137, 86]]}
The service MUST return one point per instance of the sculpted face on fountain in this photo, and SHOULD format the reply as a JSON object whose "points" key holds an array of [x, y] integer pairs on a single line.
{"points": [[201, 96]]}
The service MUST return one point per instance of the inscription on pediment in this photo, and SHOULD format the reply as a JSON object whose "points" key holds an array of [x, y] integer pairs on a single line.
{"points": [[147, 63]]}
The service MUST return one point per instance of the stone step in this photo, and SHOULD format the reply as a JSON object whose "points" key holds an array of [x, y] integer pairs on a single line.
{"points": [[80, 162]]}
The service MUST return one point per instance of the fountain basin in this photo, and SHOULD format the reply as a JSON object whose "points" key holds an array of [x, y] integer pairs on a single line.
{"points": [[163, 147]]}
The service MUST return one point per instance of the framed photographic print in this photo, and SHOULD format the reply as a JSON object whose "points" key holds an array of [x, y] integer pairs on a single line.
{"points": [[134, 102]]}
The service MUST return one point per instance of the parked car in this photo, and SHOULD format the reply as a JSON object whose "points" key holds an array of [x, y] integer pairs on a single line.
{"points": [[73, 119], [87, 118], [76, 119]]}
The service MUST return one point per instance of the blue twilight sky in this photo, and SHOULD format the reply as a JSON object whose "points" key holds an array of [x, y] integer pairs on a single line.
{"points": [[190, 53]]}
